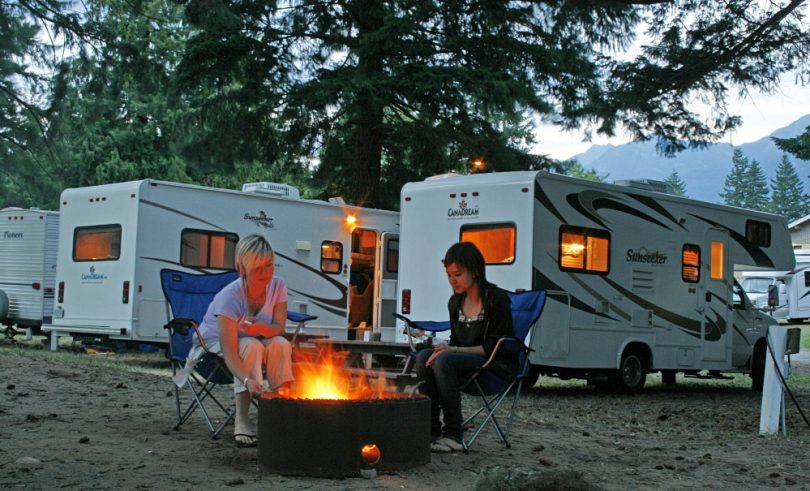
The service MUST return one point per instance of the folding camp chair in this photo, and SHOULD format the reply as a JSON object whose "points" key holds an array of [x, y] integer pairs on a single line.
{"points": [[491, 382], [188, 297]]}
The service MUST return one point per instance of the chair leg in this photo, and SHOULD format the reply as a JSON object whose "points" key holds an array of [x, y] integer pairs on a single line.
{"points": [[491, 406]]}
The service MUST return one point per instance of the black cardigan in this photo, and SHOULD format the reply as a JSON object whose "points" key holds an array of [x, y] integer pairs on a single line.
{"points": [[497, 317]]}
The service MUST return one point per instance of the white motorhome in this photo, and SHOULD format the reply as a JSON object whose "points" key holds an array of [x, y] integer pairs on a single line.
{"points": [[339, 261], [28, 245], [638, 281], [793, 287]]}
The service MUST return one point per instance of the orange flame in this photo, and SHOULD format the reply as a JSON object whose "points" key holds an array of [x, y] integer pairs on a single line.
{"points": [[326, 377]]}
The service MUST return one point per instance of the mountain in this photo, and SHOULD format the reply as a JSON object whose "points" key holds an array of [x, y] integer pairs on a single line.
{"points": [[703, 171]]}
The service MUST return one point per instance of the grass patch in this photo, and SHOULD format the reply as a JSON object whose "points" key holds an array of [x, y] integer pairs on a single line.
{"points": [[73, 353]]}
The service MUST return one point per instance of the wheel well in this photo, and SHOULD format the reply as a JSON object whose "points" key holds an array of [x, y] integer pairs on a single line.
{"points": [[640, 349], [759, 343]]}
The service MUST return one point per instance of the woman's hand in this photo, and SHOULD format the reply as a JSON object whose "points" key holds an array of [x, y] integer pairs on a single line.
{"points": [[256, 329], [255, 387], [438, 350]]}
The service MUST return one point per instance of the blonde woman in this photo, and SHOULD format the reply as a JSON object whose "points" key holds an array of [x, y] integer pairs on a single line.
{"points": [[244, 324]]}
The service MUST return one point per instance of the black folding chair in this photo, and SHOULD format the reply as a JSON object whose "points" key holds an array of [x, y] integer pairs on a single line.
{"points": [[189, 296], [492, 383]]}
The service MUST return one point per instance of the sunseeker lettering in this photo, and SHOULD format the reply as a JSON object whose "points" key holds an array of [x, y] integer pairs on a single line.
{"points": [[261, 219], [645, 256]]}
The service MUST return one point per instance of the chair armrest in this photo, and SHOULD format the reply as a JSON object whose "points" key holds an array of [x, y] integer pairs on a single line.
{"points": [[300, 317], [509, 343], [411, 326], [181, 326]]}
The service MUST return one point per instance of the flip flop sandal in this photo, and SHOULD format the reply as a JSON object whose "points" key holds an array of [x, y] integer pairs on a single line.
{"points": [[446, 445], [252, 441]]}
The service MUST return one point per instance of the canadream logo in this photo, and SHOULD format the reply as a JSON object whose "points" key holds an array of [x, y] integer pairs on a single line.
{"points": [[93, 275], [261, 220], [12, 235], [645, 256], [463, 210]]}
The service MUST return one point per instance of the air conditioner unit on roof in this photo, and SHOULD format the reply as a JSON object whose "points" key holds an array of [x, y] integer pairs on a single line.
{"points": [[272, 188]]}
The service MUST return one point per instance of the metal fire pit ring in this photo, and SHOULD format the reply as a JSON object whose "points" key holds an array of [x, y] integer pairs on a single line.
{"points": [[324, 438]]}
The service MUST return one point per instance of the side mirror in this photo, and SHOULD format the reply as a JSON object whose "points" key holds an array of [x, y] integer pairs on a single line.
{"points": [[773, 296]]}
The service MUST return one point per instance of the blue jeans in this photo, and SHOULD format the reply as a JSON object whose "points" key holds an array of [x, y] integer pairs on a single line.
{"points": [[442, 383]]}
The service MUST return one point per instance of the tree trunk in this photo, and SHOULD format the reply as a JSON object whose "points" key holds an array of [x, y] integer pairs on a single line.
{"points": [[368, 134]]}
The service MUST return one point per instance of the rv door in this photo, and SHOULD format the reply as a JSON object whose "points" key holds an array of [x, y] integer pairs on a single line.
{"points": [[385, 281], [716, 319]]}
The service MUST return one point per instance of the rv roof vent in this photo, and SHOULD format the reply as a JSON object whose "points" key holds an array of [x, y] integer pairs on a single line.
{"points": [[648, 184], [337, 200], [272, 188], [441, 176]]}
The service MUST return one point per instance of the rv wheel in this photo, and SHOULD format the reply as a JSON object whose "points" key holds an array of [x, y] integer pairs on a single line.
{"points": [[758, 366], [632, 372], [531, 377], [3, 306]]}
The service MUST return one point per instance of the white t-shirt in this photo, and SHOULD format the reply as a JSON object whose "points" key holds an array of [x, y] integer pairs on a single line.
{"points": [[231, 302]]}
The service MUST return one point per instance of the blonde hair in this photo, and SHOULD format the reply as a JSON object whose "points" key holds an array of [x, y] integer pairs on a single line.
{"points": [[250, 250]]}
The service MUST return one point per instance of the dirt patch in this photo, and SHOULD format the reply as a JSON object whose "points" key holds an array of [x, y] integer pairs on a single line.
{"points": [[67, 425]]}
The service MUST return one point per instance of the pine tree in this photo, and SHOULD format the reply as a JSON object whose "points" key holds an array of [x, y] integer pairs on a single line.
{"points": [[678, 186], [756, 188], [734, 187], [787, 192]]}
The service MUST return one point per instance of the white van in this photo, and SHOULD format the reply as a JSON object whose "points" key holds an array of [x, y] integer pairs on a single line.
{"points": [[793, 287]]}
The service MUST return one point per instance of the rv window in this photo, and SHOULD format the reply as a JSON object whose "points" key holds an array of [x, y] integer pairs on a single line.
{"points": [[583, 249], [718, 261], [759, 233], [206, 249], [496, 241], [392, 256], [98, 243], [331, 256], [806, 278], [690, 263]]}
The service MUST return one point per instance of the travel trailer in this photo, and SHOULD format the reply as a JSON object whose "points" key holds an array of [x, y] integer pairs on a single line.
{"points": [[638, 281], [793, 287], [28, 244], [339, 261]]}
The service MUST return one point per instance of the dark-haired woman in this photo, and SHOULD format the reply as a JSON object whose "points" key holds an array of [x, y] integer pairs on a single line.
{"points": [[479, 316]]}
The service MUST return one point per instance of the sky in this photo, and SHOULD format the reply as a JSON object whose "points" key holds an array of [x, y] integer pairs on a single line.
{"points": [[761, 115]]}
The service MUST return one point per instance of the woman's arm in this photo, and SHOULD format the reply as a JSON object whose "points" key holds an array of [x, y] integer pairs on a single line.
{"points": [[229, 343], [257, 328]]}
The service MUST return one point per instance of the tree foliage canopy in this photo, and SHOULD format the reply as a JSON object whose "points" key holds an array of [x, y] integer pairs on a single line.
{"points": [[356, 97]]}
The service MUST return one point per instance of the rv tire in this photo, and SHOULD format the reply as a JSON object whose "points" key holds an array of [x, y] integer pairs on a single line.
{"points": [[632, 372], [668, 377], [531, 377], [758, 365], [3, 307]]}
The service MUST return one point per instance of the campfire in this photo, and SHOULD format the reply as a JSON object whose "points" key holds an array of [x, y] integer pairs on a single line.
{"points": [[337, 422], [326, 377]]}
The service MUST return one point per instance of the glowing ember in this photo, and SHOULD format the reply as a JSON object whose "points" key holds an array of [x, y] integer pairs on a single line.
{"points": [[327, 378]]}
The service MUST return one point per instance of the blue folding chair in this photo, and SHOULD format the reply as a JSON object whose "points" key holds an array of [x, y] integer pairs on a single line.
{"points": [[188, 296], [491, 382]]}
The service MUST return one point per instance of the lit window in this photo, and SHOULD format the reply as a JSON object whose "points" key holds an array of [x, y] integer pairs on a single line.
{"points": [[331, 256], [690, 263], [496, 241], [585, 250], [97, 243], [718, 260], [207, 249]]}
